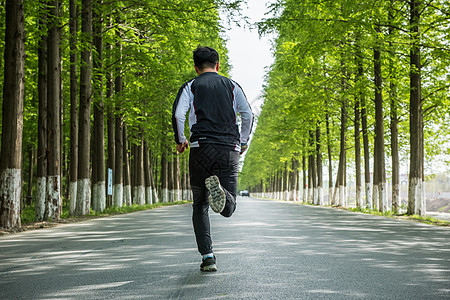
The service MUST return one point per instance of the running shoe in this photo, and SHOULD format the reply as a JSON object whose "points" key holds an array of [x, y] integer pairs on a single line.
{"points": [[217, 196], [208, 264]]}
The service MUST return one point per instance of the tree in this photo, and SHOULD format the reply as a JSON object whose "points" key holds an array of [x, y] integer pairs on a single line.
{"points": [[73, 169], [41, 185], [416, 201], [53, 201], [379, 173], [98, 162], [12, 116], [84, 182]]}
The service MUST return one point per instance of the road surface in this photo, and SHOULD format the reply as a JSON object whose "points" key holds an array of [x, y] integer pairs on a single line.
{"points": [[267, 250]]}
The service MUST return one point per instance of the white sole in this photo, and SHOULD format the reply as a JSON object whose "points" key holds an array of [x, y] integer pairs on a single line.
{"points": [[217, 196], [210, 268]]}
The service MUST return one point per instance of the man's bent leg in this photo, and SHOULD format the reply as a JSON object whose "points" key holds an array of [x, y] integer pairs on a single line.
{"points": [[228, 177]]}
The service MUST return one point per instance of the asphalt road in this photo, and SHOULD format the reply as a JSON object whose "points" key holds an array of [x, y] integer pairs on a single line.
{"points": [[267, 250]]}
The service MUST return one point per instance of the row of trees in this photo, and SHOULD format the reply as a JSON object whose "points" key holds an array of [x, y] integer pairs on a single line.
{"points": [[352, 77], [89, 88]]}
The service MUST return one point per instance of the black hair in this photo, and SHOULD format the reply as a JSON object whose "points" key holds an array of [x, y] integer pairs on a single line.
{"points": [[205, 57]]}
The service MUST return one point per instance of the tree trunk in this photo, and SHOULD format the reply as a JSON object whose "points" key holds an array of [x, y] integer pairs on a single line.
{"points": [[416, 190], [292, 180], [98, 162], [358, 111], [110, 115], [285, 182], [12, 116], [368, 186], [177, 177], [153, 179], [379, 173], [118, 169], [73, 173], [41, 181], [394, 124], [342, 159], [138, 185], [336, 186], [359, 203], [394, 151], [170, 177], [148, 182], [164, 176], [53, 195], [330, 165], [84, 185], [126, 168], [305, 185], [319, 168]]}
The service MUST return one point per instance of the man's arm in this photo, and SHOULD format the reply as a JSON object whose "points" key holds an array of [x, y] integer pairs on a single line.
{"points": [[244, 109], [179, 110]]}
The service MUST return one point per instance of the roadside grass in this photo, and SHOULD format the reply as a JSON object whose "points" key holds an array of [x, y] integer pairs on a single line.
{"points": [[388, 214], [28, 213], [391, 214]]}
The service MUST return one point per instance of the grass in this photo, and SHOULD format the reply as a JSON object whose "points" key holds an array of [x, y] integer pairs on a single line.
{"points": [[391, 214], [28, 214], [388, 214]]}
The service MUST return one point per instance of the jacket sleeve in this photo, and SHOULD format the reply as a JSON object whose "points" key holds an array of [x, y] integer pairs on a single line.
{"points": [[179, 110], [244, 109]]}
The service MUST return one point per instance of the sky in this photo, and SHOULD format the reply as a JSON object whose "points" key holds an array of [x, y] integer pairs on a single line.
{"points": [[249, 54]]}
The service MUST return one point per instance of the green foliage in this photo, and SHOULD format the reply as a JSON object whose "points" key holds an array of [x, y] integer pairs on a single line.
{"points": [[320, 47], [148, 43]]}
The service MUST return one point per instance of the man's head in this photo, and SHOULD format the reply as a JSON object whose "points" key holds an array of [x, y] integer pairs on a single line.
{"points": [[205, 58]]}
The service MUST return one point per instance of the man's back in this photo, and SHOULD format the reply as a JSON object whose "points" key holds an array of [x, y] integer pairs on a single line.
{"points": [[214, 110]]}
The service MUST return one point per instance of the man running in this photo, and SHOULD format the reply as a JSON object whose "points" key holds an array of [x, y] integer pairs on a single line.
{"points": [[213, 102]]}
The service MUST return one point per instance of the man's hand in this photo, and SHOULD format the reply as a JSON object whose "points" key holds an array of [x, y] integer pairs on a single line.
{"points": [[183, 146], [243, 148]]}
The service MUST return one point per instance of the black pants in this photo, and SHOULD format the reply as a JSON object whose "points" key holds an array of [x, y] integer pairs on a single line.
{"points": [[203, 162]]}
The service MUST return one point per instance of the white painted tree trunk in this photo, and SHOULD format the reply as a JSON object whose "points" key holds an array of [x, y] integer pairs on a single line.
{"points": [[148, 195], [330, 195], [342, 195], [41, 192], [375, 197], [178, 195], [155, 195], [72, 197], [165, 195], [382, 199], [139, 195], [53, 203], [118, 195], [10, 191], [368, 195], [84, 196], [416, 193], [316, 196], [127, 195], [99, 196], [396, 197], [320, 195], [358, 200], [171, 195]]}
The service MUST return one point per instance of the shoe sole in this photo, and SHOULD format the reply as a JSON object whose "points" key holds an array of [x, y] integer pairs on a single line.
{"points": [[217, 196], [210, 268]]}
